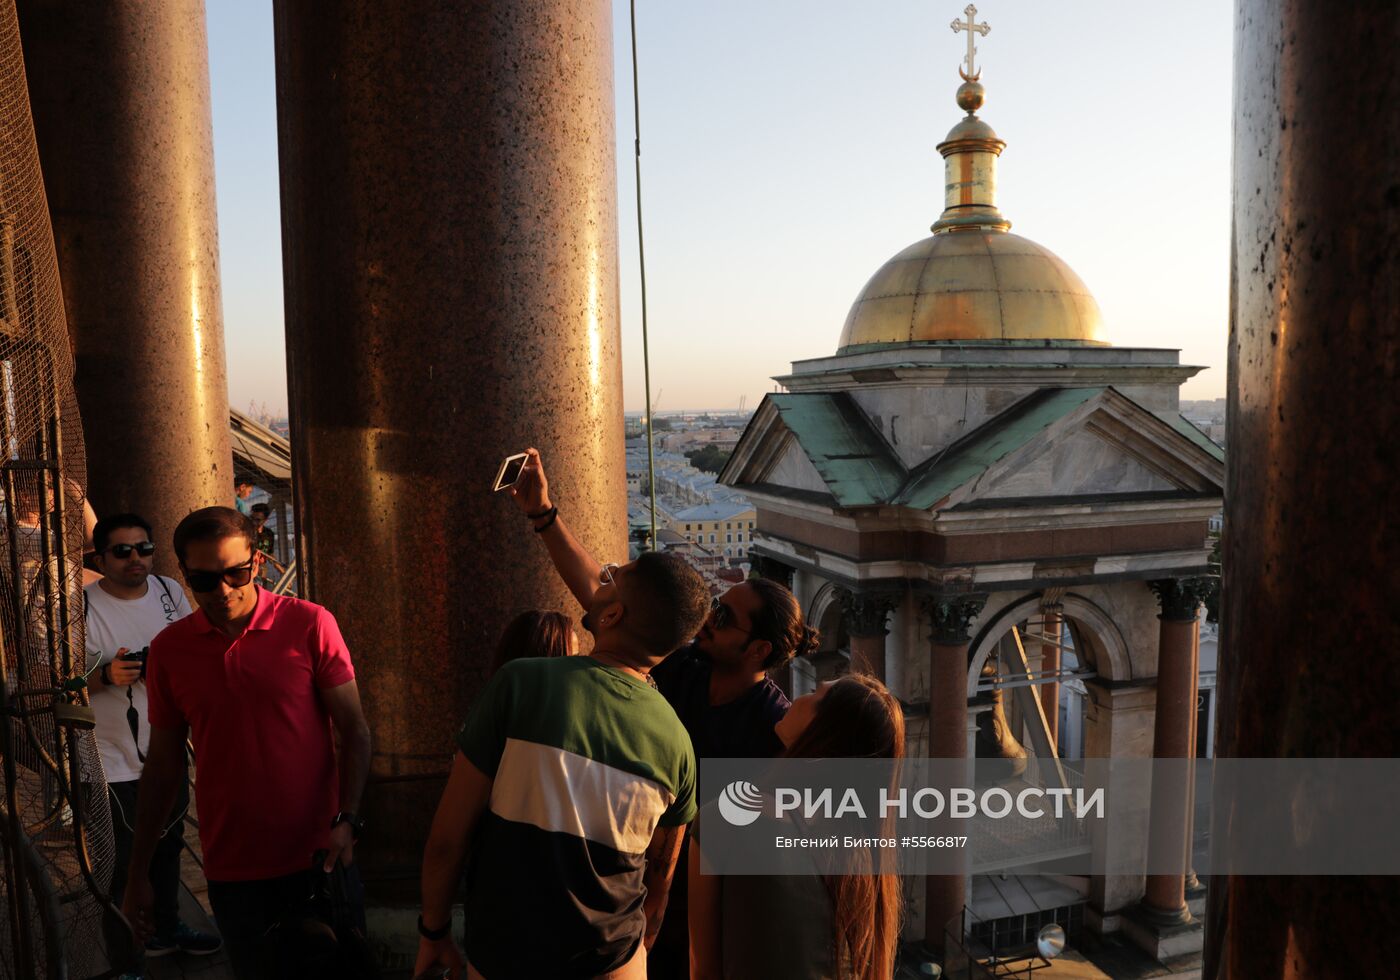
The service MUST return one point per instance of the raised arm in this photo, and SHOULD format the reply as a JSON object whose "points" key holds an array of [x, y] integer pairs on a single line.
{"points": [[575, 565], [463, 802], [348, 719]]}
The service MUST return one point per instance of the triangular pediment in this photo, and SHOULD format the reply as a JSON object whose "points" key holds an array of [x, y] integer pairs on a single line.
{"points": [[816, 442], [1078, 463], [1056, 445], [1063, 444]]}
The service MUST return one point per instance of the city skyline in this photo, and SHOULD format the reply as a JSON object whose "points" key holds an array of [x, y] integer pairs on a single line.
{"points": [[774, 186]]}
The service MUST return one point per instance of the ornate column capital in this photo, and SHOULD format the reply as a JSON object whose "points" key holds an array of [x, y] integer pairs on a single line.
{"points": [[866, 613], [1181, 598], [951, 616]]}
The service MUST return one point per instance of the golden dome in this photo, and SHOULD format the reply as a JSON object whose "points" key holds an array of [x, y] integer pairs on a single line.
{"points": [[973, 280], [973, 285]]}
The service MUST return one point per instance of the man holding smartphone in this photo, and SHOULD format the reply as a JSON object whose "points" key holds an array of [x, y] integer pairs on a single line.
{"points": [[125, 609]]}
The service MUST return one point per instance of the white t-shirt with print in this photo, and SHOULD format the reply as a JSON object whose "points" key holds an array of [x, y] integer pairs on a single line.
{"points": [[114, 623]]}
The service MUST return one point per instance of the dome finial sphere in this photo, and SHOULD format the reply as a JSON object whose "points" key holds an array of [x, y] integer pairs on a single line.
{"points": [[971, 95]]}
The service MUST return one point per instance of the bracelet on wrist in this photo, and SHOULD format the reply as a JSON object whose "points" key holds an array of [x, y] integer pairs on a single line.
{"points": [[544, 513], [553, 515], [434, 935]]}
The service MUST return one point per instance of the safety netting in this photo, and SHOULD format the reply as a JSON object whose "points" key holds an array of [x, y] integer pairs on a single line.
{"points": [[56, 849]]}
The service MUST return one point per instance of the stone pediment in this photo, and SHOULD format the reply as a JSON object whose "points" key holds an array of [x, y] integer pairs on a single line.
{"points": [[1054, 446]]}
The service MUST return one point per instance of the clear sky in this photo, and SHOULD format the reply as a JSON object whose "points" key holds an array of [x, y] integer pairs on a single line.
{"points": [[788, 151]]}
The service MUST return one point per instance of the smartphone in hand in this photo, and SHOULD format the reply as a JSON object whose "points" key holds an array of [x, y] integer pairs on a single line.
{"points": [[509, 473]]}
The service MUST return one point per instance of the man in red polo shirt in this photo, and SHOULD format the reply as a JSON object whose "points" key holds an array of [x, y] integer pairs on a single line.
{"points": [[258, 681]]}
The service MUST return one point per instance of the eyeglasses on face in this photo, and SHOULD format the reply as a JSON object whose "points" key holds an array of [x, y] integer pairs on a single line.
{"points": [[145, 549], [722, 617], [235, 577]]}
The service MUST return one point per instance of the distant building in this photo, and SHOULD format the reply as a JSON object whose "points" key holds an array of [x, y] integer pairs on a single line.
{"points": [[725, 528]]}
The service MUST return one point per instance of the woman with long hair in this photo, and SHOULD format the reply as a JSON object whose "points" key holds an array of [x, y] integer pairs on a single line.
{"points": [[822, 926], [537, 633]]}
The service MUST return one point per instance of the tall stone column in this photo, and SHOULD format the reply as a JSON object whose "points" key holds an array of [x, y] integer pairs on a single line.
{"points": [[866, 615], [950, 620], [450, 244], [120, 95], [1173, 737], [1311, 543]]}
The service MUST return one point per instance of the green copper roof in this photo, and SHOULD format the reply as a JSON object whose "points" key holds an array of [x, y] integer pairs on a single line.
{"points": [[933, 480], [848, 452], [1186, 428]]}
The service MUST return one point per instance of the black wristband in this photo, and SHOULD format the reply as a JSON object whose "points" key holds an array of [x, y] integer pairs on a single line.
{"points": [[105, 674], [544, 513], [553, 516], [434, 935]]}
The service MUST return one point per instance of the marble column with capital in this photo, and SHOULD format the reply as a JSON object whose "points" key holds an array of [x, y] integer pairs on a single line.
{"points": [[1173, 737], [866, 615], [950, 619]]}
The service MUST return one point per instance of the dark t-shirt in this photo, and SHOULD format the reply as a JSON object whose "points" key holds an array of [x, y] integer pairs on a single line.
{"points": [[739, 729]]}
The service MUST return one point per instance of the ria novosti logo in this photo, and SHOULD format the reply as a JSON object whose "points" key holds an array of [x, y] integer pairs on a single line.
{"points": [[740, 803]]}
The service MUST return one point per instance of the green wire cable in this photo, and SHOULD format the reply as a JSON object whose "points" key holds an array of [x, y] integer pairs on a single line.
{"points": [[642, 261]]}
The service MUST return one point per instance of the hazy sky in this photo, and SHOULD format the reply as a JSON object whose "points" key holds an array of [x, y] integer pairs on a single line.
{"points": [[788, 151]]}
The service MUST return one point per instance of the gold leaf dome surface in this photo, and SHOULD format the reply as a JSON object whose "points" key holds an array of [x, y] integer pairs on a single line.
{"points": [[966, 285]]}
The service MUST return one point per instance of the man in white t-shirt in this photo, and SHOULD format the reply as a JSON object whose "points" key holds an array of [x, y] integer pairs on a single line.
{"points": [[126, 608]]}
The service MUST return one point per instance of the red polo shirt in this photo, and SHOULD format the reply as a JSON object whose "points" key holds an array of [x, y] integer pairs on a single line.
{"points": [[266, 781]]}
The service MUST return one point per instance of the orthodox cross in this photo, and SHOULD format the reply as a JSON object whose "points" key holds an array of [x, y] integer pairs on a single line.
{"points": [[972, 27]]}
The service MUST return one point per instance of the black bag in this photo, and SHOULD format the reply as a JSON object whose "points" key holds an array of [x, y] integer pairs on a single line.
{"points": [[325, 935]]}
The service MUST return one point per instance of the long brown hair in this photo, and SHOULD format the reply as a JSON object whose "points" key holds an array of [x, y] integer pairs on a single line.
{"points": [[859, 718], [537, 633]]}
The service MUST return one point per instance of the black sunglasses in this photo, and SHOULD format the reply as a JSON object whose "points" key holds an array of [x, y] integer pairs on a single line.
{"points": [[236, 577], [145, 549], [722, 617]]}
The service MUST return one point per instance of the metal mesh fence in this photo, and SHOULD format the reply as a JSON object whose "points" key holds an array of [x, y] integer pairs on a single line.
{"points": [[55, 827]]}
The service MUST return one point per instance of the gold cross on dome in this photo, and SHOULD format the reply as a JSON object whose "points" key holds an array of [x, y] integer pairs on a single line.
{"points": [[970, 25]]}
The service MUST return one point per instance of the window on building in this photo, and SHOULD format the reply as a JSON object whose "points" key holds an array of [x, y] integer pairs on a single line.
{"points": [[740, 537], [687, 527], [728, 538], [712, 539], [750, 524], [741, 552]]}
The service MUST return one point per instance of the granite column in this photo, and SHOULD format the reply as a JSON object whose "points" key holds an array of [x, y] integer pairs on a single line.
{"points": [[1311, 557], [120, 96], [450, 247]]}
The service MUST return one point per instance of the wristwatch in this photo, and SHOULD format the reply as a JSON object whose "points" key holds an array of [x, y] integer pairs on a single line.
{"points": [[345, 816]]}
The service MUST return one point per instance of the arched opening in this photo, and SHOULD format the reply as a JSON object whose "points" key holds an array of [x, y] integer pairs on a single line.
{"points": [[1026, 679], [832, 656]]}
